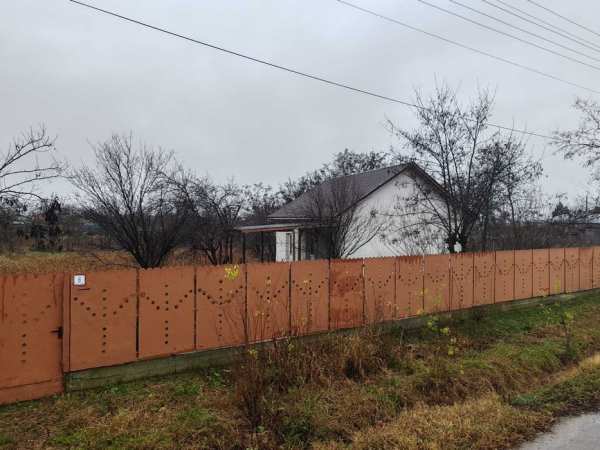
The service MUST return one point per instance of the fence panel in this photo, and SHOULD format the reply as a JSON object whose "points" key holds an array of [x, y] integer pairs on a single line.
{"points": [[437, 283], [541, 272], [347, 295], [409, 286], [571, 269], [504, 276], [523, 274], [220, 306], [461, 269], [310, 296], [483, 273], [380, 275], [30, 341], [596, 267], [103, 319], [166, 311], [557, 270], [268, 301], [586, 275]]}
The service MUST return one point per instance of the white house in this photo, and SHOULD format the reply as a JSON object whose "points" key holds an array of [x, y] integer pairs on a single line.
{"points": [[380, 224]]}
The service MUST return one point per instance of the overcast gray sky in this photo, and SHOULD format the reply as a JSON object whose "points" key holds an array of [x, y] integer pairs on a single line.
{"points": [[86, 75]]}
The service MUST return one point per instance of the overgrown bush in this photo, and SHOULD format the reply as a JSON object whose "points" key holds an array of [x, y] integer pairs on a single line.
{"points": [[263, 372]]}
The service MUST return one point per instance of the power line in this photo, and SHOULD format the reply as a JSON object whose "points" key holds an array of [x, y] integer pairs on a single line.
{"points": [[512, 36], [466, 47], [294, 71], [564, 18], [523, 30], [550, 26]]}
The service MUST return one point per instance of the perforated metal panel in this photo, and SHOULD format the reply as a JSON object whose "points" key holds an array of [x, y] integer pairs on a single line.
{"points": [[409, 286], [310, 296], [484, 277], [380, 289], [268, 301], [346, 298], [103, 319], [541, 273], [557, 270], [166, 314], [505, 276], [461, 269], [523, 274], [571, 269], [220, 306], [437, 283], [30, 343], [586, 274], [596, 267]]}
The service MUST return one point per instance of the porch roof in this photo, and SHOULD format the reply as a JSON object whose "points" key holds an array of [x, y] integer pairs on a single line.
{"points": [[271, 227]]}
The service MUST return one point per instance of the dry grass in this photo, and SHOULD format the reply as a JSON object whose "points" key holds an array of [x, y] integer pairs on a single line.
{"points": [[44, 262], [483, 423]]}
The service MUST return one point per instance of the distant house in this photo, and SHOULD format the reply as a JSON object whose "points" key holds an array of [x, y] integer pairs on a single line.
{"points": [[369, 204]]}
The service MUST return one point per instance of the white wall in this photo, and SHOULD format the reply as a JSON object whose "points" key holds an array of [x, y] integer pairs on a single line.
{"points": [[388, 200]]}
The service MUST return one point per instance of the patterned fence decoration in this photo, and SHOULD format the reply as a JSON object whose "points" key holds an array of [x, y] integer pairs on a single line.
{"points": [[462, 280], [310, 297], [557, 270], [596, 267], [220, 306], [103, 320], [30, 344], [347, 293], [586, 266], [380, 289], [166, 311], [58, 323], [409, 286], [541, 272], [484, 277], [436, 287], [268, 298], [523, 274], [571, 269], [505, 276]]}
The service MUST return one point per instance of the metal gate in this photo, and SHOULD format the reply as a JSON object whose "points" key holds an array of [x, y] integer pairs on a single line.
{"points": [[30, 336]]}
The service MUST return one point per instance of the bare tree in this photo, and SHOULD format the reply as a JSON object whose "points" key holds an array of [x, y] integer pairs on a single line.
{"points": [[466, 165], [21, 165], [216, 211], [27, 161], [339, 218], [130, 195], [584, 141], [261, 201]]}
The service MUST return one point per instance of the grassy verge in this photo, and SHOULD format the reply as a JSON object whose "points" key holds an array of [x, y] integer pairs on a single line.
{"points": [[482, 381]]}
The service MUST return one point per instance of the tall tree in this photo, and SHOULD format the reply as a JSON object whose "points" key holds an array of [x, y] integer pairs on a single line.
{"points": [[584, 141], [216, 211], [471, 164], [130, 195]]}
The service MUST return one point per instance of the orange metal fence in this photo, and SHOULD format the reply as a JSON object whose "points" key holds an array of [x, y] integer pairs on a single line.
{"points": [[57, 323]]}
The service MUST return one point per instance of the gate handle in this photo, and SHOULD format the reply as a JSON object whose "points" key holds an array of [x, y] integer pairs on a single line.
{"points": [[58, 331]]}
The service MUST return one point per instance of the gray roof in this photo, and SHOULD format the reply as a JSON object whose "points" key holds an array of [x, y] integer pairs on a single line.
{"points": [[363, 184]]}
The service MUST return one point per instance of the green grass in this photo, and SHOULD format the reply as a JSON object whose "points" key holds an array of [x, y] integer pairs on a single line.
{"points": [[506, 380]]}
